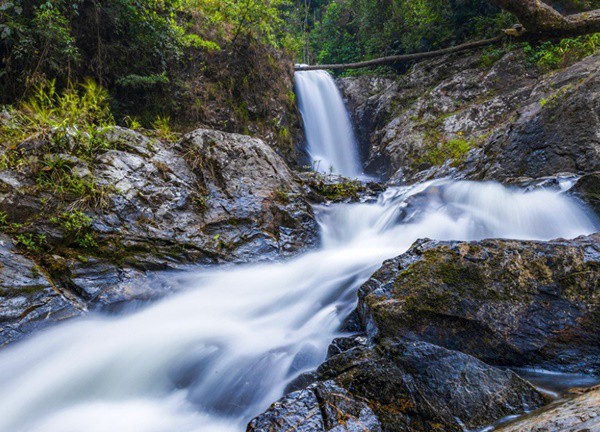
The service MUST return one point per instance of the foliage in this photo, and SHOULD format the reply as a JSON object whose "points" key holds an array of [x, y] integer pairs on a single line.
{"points": [[162, 126], [344, 31], [79, 111], [348, 30], [554, 55], [77, 228], [143, 52]]}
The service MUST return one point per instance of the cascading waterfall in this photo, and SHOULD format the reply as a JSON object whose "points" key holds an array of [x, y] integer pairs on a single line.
{"points": [[329, 134], [221, 350]]}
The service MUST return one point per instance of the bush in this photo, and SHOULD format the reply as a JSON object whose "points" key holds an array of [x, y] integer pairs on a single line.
{"points": [[555, 55], [78, 110]]}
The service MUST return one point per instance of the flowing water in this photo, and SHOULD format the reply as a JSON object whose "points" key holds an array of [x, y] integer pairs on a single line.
{"points": [[217, 353], [331, 142]]}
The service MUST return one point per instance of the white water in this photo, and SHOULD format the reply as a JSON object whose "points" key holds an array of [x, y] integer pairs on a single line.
{"points": [[213, 356], [329, 134]]}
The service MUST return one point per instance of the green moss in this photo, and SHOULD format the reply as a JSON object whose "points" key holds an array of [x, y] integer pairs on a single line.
{"points": [[337, 191], [437, 152]]}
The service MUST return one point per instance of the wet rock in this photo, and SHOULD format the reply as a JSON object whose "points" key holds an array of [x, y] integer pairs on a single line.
{"points": [[28, 301], [588, 189], [581, 414], [211, 198], [401, 386], [505, 302], [516, 120], [324, 406]]}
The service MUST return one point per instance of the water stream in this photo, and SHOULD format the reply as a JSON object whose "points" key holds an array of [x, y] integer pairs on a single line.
{"points": [[223, 348], [220, 351]]}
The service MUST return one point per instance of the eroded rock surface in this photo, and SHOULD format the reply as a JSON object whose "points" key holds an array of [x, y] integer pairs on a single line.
{"points": [[401, 386], [28, 300], [581, 414]]}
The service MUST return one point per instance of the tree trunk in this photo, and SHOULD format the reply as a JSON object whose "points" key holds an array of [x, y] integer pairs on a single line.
{"points": [[539, 18]]}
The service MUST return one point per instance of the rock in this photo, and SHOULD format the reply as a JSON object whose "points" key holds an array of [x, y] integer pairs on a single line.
{"points": [[401, 386], [28, 301], [324, 406], [516, 120], [588, 189], [505, 302], [581, 414], [213, 197]]}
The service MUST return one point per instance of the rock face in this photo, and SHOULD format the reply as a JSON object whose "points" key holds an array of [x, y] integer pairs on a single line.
{"points": [[401, 386], [588, 189], [581, 414], [144, 205], [504, 302], [323, 406], [28, 301], [517, 121]]}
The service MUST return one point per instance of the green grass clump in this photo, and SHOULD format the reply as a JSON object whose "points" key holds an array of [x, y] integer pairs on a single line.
{"points": [[78, 112], [437, 154]]}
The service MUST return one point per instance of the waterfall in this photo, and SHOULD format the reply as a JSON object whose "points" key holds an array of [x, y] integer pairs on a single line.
{"points": [[332, 145], [228, 343]]}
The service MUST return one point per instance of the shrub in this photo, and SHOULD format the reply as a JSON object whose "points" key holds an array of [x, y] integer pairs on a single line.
{"points": [[555, 55]]}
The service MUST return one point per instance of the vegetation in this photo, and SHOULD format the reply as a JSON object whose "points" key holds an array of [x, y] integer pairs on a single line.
{"points": [[439, 151], [192, 61], [554, 55], [344, 31]]}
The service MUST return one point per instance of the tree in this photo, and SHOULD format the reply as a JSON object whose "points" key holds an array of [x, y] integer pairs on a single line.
{"points": [[539, 18]]}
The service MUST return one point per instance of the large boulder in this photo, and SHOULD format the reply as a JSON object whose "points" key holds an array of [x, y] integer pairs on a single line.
{"points": [[467, 116], [96, 222], [401, 386], [505, 302]]}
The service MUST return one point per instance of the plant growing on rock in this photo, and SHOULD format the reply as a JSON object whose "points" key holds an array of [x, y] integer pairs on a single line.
{"points": [[77, 227]]}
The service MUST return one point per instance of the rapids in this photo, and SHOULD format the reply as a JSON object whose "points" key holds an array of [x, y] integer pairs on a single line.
{"points": [[223, 348]]}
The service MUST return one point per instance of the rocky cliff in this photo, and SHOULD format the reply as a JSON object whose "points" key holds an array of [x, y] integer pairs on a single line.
{"points": [[463, 117]]}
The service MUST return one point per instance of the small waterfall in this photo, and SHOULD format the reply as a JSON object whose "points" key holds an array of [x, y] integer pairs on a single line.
{"points": [[221, 350], [332, 145]]}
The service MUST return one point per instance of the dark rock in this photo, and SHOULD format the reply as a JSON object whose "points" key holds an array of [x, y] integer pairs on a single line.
{"points": [[401, 386], [505, 302], [588, 189], [324, 406]]}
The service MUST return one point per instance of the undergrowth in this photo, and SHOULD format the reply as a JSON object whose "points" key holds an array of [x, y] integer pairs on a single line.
{"points": [[555, 55]]}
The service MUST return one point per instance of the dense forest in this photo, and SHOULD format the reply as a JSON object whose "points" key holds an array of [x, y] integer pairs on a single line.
{"points": [[184, 59]]}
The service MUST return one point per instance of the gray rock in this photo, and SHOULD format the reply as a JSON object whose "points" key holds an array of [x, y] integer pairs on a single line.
{"points": [[28, 300], [579, 414], [213, 197]]}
